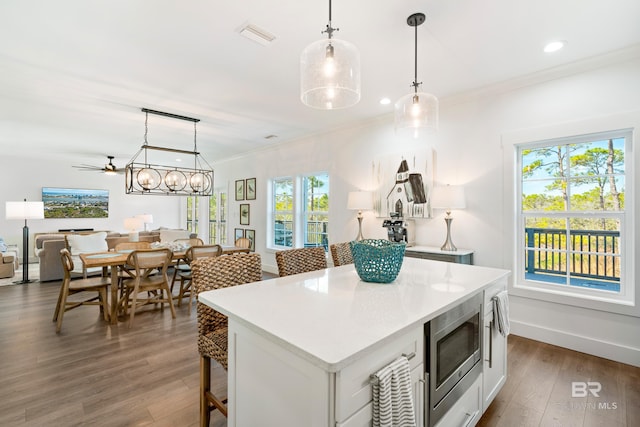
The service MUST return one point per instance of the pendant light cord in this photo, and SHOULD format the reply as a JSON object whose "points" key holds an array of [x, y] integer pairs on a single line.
{"points": [[415, 55], [330, 29]]}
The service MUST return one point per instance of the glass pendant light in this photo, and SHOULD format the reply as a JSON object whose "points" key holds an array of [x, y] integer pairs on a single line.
{"points": [[330, 72], [417, 112]]}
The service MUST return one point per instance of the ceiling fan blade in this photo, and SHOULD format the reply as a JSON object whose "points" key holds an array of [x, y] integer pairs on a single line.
{"points": [[108, 168], [87, 167]]}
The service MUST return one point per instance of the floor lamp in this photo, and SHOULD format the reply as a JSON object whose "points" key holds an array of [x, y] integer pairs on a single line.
{"points": [[25, 210]]}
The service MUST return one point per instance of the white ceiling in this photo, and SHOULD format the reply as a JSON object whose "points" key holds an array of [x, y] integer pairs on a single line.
{"points": [[75, 73]]}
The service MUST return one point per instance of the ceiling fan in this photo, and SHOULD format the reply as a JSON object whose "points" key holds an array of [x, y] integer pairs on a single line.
{"points": [[109, 168]]}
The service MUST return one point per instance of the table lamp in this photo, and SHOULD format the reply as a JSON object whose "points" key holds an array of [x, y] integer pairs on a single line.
{"points": [[146, 219], [133, 224], [448, 197], [360, 200], [25, 210]]}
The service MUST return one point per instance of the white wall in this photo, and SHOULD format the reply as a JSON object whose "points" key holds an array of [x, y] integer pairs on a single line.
{"points": [[24, 178], [469, 151]]}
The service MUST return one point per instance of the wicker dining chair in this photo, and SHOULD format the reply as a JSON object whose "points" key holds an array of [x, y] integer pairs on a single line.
{"points": [[127, 271], [192, 241], [242, 242], [193, 253], [295, 261], [208, 274], [341, 254], [99, 285], [146, 262], [180, 266]]}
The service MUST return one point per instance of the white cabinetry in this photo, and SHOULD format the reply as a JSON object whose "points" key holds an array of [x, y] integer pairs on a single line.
{"points": [[286, 389], [494, 349], [467, 410]]}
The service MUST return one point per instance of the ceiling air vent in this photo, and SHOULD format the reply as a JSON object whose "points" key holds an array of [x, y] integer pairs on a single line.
{"points": [[257, 34]]}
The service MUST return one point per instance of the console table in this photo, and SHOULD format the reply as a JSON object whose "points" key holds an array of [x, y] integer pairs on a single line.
{"points": [[461, 256]]}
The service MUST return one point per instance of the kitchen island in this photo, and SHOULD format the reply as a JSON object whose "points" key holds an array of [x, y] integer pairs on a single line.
{"points": [[302, 347]]}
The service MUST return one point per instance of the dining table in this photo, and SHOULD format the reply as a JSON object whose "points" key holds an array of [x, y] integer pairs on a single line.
{"points": [[116, 259]]}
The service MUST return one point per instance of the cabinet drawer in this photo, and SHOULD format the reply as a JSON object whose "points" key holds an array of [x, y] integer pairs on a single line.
{"points": [[353, 386], [467, 410], [364, 417]]}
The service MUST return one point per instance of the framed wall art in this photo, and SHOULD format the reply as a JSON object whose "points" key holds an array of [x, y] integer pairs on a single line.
{"points": [[75, 203], [251, 235], [240, 189], [244, 214], [403, 184], [250, 188], [238, 233]]}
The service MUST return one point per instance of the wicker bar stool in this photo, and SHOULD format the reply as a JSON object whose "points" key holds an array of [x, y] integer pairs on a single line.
{"points": [[215, 273], [341, 254], [296, 261], [193, 253]]}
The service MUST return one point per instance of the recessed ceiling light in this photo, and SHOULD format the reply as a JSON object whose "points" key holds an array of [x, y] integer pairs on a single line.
{"points": [[554, 46], [385, 101]]}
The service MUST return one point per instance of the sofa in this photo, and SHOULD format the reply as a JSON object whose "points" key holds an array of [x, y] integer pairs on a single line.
{"points": [[48, 246], [7, 265]]}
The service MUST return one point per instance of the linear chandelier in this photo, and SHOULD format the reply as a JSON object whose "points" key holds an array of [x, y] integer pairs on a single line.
{"points": [[143, 177]]}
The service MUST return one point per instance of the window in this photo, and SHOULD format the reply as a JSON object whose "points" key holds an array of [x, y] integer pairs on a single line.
{"points": [[299, 211], [282, 223], [218, 218], [316, 210], [573, 211], [193, 205]]}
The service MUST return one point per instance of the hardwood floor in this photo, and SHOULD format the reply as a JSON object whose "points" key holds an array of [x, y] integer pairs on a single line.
{"points": [[539, 388], [97, 374]]}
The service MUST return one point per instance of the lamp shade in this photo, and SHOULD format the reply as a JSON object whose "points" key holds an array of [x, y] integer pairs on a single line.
{"points": [[448, 197], [330, 74], [416, 114], [25, 210], [146, 218], [133, 223], [360, 200]]}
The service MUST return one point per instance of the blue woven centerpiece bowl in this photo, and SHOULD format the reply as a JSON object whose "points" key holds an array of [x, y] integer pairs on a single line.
{"points": [[377, 260]]}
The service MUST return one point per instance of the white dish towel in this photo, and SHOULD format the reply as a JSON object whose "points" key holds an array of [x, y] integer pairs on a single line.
{"points": [[501, 312], [393, 395]]}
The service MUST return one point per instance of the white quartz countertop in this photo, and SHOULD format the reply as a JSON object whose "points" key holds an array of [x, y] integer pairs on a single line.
{"points": [[331, 317]]}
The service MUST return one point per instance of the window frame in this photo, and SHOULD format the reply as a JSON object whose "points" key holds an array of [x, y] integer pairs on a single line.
{"points": [[299, 212], [220, 222], [580, 296], [271, 233]]}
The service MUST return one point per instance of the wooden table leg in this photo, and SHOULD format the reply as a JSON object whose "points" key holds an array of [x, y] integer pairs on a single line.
{"points": [[114, 295]]}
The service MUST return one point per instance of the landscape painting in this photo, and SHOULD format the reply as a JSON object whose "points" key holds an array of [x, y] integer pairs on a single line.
{"points": [[75, 203]]}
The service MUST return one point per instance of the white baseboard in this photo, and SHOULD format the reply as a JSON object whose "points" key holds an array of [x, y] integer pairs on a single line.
{"points": [[607, 350], [270, 268]]}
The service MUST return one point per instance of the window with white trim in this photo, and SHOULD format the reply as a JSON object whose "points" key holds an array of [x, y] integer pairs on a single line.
{"points": [[299, 211], [193, 204], [218, 218], [572, 211]]}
